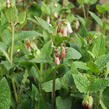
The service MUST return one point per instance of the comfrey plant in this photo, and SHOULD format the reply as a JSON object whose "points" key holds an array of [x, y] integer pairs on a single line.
{"points": [[52, 57]]}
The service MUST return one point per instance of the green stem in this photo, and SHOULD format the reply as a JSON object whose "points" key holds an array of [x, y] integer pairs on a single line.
{"points": [[12, 47], [98, 96], [104, 28], [88, 10], [11, 60], [41, 70], [53, 91], [40, 74], [84, 11], [14, 88]]}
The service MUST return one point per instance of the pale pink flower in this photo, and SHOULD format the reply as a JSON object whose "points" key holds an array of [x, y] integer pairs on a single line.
{"points": [[57, 60], [48, 20], [69, 28], [56, 14]]}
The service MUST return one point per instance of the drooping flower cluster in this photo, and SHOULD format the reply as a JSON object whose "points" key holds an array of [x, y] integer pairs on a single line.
{"points": [[59, 55], [88, 102], [65, 30], [28, 42]]}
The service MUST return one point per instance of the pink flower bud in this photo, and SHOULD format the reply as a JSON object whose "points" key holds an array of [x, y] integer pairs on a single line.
{"points": [[86, 105], [69, 28], [57, 60], [56, 14], [63, 52], [64, 33], [48, 20], [77, 25], [88, 101], [89, 107]]}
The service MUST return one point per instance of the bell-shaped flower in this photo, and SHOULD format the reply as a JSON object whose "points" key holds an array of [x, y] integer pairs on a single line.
{"points": [[69, 28]]}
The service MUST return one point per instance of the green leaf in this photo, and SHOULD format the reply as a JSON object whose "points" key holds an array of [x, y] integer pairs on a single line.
{"points": [[44, 24], [90, 1], [102, 61], [99, 46], [81, 2], [82, 20], [83, 31], [47, 86], [2, 49], [26, 34], [59, 39], [45, 9], [34, 72], [96, 18], [68, 6], [7, 65], [86, 83], [106, 6], [70, 17], [71, 53], [100, 8], [25, 104], [42, 103], [46, 36], [5, 95], [45, 54], [21, 17], [65, 103], [105, 97], [25, 77], [102, 104], [35, 93], [82, 83], [81, 65], [93, 68], [11, 14], [98, 84]]}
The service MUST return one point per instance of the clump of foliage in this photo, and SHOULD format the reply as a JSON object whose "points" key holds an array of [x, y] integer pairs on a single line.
{"points": [[51, 57]]}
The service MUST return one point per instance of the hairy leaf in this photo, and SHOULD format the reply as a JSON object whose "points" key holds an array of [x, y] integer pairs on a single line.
{"points": [[71, 53], [5, 95]]}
